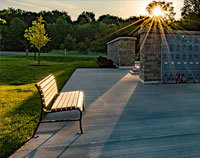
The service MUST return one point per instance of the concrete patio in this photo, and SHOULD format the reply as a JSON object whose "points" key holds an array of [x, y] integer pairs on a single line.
{"points": [[123, 118]]}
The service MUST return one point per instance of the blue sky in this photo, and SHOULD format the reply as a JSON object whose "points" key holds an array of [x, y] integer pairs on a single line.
{"points": [[121, 8]]}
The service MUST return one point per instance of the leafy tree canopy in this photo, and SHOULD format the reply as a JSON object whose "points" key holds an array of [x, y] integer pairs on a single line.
{"points": [[109, 19], [69, 43], [189, 7], [58, 31], [3, 21], [86, 17], [51, 16], [15, 31], [165, 7], [36, 34]]}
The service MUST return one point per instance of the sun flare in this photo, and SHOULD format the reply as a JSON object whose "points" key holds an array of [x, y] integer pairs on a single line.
{"points": [[157, 12]]}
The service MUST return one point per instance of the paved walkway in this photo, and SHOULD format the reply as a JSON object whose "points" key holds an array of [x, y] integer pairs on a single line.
{"points": [[123, 118]]}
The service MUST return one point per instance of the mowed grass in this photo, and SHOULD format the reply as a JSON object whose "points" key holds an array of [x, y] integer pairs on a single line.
{"points": [[19, 100]]}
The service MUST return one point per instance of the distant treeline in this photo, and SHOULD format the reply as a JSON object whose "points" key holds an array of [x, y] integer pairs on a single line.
{"points": [[84, 34]]}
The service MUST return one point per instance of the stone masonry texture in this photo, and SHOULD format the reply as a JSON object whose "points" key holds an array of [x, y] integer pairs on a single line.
{"points": [[122, 51], [150, 56]]}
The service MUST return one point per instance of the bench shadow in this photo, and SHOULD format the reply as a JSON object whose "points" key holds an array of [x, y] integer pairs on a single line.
{"points": [[67, 147], [34, 151]]}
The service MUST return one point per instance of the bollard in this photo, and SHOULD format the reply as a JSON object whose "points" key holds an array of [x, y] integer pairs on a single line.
{"points": [[26, 52]]}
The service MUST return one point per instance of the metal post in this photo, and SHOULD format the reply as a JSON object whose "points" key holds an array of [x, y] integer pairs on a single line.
{"points": [[81, 122], [26, 52], [65, 52]]}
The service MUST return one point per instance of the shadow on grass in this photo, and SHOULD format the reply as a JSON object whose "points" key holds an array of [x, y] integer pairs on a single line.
{"points": [[38, 65], [24, 121]]}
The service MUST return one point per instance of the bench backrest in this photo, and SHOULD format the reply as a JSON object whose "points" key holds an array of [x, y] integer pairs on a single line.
{"points": [[47, 89]]}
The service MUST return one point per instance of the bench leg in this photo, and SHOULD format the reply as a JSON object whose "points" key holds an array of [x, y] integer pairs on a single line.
{"points": [[80, 120], [83, 107], [33, 136]]}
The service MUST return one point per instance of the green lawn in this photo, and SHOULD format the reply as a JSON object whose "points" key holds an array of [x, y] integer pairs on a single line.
{"points": [[19, 100]]}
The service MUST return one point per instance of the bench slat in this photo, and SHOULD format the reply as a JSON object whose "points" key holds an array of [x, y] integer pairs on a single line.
{"points": [[51, 83], [50, 95], [49, 91], [54, 106], [69, 105], [67, 96], [49, 98], [80, 101], [65, 105], [43, 80], [43, 84], [75, 101], [58, 100], [60, 104]]}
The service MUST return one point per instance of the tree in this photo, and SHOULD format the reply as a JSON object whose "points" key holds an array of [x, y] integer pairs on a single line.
{"points": [[36, 35], [58, 31], [3, 13], [109, 19], [14, 35], [86, 17], [191, 22], [165, 7], [189, 7], [88, 30], [3, 21], [52, 16], [69, 43], [81, 47]]}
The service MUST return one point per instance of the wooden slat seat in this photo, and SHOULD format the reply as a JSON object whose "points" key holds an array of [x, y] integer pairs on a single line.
{"points": [[68, 101], [63, 101]]}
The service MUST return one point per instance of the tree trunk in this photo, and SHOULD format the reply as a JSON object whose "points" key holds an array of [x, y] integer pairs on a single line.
{"points": [[34, 55], [39, 57]]}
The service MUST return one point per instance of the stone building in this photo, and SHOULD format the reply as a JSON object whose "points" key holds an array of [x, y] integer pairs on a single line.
{"points": [[122, 51]]}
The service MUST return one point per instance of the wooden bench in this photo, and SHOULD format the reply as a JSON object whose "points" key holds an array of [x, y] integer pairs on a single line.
{"points": [[63, 101]]}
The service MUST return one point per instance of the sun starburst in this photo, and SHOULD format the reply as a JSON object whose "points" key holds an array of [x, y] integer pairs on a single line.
{"points": [[157, 11]]}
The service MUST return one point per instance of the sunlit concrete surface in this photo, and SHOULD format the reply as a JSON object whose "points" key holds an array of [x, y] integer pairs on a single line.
{"points": [[123, 118]]}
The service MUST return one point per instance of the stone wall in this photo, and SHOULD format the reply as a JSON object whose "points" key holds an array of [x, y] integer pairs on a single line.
{"points": [[122, 51], [165, 55], [150, 56], [113, 51]]}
